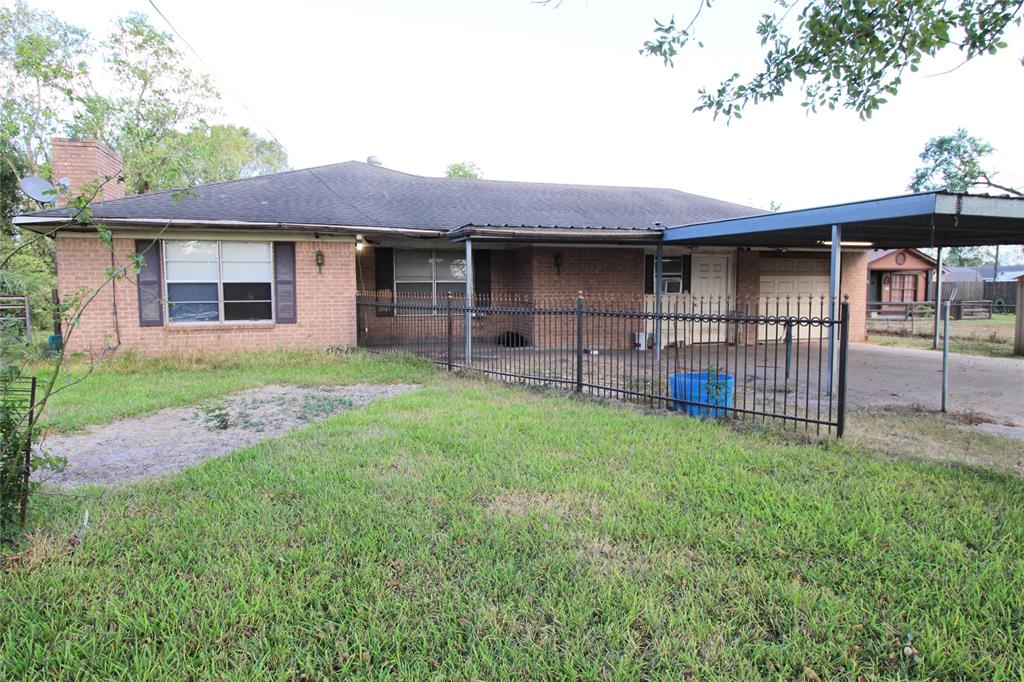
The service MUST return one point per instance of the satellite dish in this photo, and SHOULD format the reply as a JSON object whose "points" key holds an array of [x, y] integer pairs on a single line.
{"points": [[65, 182], [38, 189]]}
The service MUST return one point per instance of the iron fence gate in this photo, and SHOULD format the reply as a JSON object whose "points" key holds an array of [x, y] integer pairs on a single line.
{"points": [[752, 361]]}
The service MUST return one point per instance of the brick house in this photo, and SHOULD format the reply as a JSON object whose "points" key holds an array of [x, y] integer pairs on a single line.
{"points": [[899, 275], [278, 260]]}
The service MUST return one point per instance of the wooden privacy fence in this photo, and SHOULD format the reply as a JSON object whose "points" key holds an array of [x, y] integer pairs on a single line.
{"points": [[715, 359], [981, 291]]}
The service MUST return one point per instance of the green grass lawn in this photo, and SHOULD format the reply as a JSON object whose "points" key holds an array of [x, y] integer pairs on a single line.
{"points": [[992, 337], [474, 531], [127, 385]]}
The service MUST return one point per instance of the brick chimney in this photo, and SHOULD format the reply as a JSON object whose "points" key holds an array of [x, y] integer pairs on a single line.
{"points": [[83, 161]]}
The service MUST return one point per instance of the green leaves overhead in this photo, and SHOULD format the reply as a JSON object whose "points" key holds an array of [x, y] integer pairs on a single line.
{"points": [[850, 53]]}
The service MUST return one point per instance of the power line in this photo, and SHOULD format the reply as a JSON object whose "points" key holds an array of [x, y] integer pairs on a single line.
{"points": [[254, 116], [221, 80]]}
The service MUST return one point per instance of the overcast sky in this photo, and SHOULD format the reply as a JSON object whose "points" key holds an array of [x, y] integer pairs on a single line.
{"points": [[560, 94]]}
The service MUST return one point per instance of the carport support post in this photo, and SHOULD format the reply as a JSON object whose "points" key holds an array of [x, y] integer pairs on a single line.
{"points": [[658, 270], [938, 296], [1018, 336], [833, 297], [468, 322], [945, 352]]}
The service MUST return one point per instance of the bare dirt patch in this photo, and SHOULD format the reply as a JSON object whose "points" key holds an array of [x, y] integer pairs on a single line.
{"points": [[172, 439]]}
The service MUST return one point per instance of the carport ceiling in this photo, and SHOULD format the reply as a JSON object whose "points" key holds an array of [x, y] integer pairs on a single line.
{"points": [[917, 220]]}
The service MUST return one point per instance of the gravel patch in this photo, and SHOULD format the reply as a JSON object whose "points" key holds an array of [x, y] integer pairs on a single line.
{"points": [[175, 438]]}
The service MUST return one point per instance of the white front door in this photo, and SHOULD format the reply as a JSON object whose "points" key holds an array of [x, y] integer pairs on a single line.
{"points": [[712, 283]]}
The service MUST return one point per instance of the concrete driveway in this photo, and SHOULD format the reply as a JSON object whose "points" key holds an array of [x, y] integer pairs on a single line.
{"points": [[887, 375]]}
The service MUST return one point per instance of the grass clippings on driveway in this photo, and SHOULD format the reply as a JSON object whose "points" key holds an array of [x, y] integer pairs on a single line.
{"points": [[474, 531]]}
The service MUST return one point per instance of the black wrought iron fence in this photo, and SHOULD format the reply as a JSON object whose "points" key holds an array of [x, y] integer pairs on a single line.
{"points": [[17, 420], [782, 359]]}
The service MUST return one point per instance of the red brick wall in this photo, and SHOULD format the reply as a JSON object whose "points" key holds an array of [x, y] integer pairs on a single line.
{"points": [[853, 288], [611, 272], [325, 305], [512, 271], [83, 161], [748, 288]]}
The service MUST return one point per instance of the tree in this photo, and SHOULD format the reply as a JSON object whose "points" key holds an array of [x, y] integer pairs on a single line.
{"points": [[204, 154], [852, 53], [955, 163], [464, 169], [42, 61], [158, 95], [155, 118]]}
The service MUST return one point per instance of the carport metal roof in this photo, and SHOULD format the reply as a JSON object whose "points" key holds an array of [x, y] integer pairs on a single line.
{"points": [[917, 220]]}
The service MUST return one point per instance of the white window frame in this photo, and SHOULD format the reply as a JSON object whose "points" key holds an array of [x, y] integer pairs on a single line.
{"points": [[220, 286], [434, 281]]}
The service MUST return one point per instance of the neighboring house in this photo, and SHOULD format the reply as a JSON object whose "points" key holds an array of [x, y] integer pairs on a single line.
{"points": [[1009, 275], [961, 274], [277, 260], [1008, 272], [899, 275]]}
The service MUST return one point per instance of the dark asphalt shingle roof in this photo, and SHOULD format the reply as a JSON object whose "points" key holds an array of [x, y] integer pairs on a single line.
{"points": [[359, 194]]}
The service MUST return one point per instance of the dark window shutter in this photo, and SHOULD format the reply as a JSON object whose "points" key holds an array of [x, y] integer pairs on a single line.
{"points": [[384, 268], [384, 276], [151, 307], [648, 274], [482, 276], [284, 282], [686, 273]]}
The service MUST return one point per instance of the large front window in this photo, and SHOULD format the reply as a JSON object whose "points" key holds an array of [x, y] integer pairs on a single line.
{"points": [[429, 274], [219, 281]]}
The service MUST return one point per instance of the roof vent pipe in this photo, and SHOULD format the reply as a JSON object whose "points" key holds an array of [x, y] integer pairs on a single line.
{"points": [[374, 161]]}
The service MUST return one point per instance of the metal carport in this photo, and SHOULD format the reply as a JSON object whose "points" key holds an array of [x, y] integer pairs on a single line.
{"points": [[925, 220]]}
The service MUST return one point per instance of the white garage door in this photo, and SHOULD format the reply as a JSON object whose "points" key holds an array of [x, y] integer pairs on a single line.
{"points": [[804, 281]]}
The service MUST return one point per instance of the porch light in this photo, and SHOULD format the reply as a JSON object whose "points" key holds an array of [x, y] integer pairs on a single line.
{"points": [[360, 242], [829, 243], [319, 260]]}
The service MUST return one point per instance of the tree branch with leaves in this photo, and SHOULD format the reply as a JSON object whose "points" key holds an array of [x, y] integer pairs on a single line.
{"points": [[850, 53]]}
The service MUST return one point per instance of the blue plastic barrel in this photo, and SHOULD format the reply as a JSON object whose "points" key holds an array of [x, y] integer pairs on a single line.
{"points": [[714, 389]]}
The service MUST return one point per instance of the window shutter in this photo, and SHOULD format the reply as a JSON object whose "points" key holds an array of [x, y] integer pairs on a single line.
{"points": [[284, 282], [151, 307], [687, 264], [648, 274], [482, 276], [384, 268]]}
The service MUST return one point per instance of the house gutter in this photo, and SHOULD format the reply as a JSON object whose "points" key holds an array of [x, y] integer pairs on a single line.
{"points": [[540, 234], [29, 222]]}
